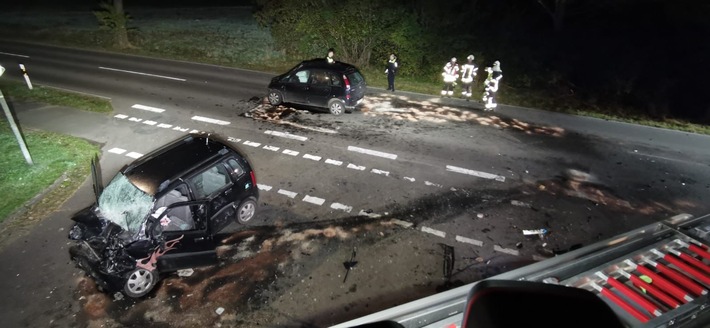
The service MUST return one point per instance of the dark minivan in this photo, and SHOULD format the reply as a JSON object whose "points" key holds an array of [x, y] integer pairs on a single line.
{"points": [[336, 86], [160, 213]]}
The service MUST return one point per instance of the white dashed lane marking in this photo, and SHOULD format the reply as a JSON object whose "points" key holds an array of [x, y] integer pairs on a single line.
{"points": [[117, 150], [251, 143], [506, 250], [372, 152], [311, 157], [135, 119], [263, 187], [313, 200], [433, 184], [474, 173], [380, 172], [165, 126], [410, 179], [342, 207], [286, 135], [356, 167], [209, 120], [134, 155], [121, 116], [290, 152], [290, 194], [434, 232], [148, 108], [150, 122], [271, 148], [469, 241], [333, 162]]}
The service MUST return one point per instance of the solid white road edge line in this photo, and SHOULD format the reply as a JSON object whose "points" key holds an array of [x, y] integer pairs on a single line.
{"points": [[144, 74], [14, 55], [148, 108], [479, 174], [285, 135], [209, 120]]}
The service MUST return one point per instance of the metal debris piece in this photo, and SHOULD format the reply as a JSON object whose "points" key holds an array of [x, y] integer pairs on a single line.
{"points": [[448, 260], [519, 245], [540, 232], [185, 272], [117, 296], [219, 310], [479, 215], [349, 265]]}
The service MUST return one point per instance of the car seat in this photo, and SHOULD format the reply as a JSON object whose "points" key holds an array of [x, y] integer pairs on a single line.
{"points": [[181, 216]]}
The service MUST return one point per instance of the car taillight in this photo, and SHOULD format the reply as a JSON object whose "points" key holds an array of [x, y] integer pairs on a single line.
{"points": [[347, 87], [253, 177]]}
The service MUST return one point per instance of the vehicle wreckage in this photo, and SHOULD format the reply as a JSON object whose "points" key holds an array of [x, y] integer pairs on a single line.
{"points": [[160, 213]]}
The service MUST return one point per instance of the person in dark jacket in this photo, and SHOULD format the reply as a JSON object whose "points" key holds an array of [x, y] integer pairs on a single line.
{"points": [[392, 67]]}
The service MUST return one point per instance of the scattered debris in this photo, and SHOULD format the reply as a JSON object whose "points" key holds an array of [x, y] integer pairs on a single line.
{"points": [[185, 272], [118, 296], [541, 232], [349, 265], [448, 260], [519, 245], [479, 215], [219, 310]]}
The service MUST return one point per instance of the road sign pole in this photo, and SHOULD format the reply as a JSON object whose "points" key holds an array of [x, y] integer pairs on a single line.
{"points": [[13, 125]]}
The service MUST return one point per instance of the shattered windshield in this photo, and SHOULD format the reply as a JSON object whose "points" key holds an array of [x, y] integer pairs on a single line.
{"points": [[124, 204]]}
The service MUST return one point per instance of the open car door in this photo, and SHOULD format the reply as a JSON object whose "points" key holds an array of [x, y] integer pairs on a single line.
{"points": [[96, 177]]}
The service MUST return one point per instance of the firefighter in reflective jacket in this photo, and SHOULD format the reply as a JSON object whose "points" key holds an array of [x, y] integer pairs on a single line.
{"points": [[492, 81], [468, 73], [450, 74]]}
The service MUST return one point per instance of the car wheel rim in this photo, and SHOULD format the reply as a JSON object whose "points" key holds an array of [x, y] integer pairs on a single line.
{"points": [[274, 98], [336, 108], [246, 212], [139, 281]]}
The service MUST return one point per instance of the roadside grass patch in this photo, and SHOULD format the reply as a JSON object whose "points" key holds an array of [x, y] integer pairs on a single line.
{"points": [[53, 155], [18, 91]]}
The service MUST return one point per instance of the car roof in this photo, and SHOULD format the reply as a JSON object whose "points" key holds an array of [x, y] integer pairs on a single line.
{"points": [[154, 171], [322, 63]]}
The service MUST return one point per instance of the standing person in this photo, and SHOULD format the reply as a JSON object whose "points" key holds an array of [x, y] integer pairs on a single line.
{"points": [[492, 81], [391, 70], [450, 74], [468, 73], [329, 58]]}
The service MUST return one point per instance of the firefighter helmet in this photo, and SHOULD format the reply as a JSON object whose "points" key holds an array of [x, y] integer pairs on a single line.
{"points": [[470, 57]]}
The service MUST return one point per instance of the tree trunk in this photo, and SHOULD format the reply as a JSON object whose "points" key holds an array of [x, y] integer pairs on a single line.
{"points": [[121, 32]]}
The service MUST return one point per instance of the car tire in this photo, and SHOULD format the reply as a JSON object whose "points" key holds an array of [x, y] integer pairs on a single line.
{"points": [[246, 211], [336, 106], [275, 98], [140, 282]]}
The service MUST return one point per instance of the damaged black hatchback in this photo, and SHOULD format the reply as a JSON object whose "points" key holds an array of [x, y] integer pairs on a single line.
{"points": [[160, 213]]}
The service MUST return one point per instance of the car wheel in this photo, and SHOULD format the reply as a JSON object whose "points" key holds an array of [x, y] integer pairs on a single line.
{"points": [[336, 107], [246, 210], [275, 98], [140, 282]]}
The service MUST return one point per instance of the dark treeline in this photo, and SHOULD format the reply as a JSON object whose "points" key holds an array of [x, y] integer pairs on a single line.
{"points": [[648, 56]]}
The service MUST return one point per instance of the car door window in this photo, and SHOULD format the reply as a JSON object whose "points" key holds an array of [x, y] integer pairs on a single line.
{"points": [[301, 76], [334, 79], [237, 169], [210, 181], [177, 218], [320, 78]]}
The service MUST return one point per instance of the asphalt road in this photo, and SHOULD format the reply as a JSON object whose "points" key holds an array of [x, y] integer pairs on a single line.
{"points": [[460, 176]]}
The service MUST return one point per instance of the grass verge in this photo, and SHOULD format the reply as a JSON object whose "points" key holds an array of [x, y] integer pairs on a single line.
{"points": [[19, 92], [54, 155]]}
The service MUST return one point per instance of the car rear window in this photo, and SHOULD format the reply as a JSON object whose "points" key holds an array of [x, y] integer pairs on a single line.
{"points": [[355, 77]]}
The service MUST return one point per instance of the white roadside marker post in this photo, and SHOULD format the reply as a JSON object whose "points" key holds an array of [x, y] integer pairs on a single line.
{"points": [[13, 125], [27, 77]]}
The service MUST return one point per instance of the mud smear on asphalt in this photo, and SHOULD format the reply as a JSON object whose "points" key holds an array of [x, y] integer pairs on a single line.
{"points": [[294, 118], [254, 265]]}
